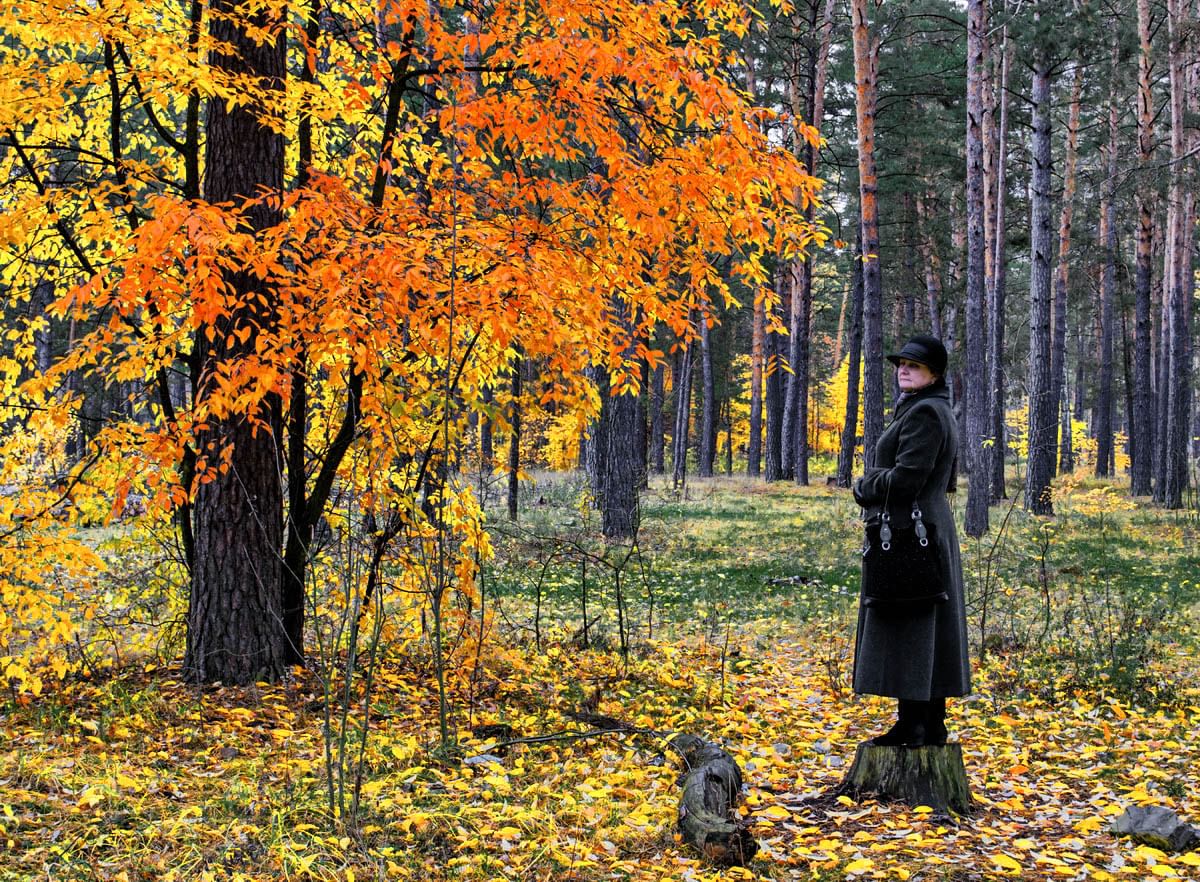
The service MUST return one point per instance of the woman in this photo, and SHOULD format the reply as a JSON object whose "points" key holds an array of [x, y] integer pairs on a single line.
{"points": [[916, 653]]}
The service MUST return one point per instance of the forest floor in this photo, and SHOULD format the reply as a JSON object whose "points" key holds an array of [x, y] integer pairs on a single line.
{"points": [[732, 619]]}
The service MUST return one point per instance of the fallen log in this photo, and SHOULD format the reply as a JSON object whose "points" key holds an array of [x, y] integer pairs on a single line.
{"points": [[712, 785], [932, 776]]}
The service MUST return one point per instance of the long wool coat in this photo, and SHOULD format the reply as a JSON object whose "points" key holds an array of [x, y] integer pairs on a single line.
{"points": [[916, 653]]}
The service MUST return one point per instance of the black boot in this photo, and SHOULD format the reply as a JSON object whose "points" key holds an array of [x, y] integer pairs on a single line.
{"points": [[910, 725], [935, 721]]}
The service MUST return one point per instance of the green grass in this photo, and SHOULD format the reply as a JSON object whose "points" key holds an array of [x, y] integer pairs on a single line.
{"points": [[1099, 592]]}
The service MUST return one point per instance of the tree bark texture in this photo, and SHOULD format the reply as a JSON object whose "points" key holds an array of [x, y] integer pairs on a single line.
{"points": [[1043, 416], [975, 361], [1108, 284], [235, 614], [657, 433], [682, 383], [999, 281], [712, 785], [514, 435], [1141, 432], [1179, 287], [708, 407], [757, 356], [866, 56], [845, 471], [1062, 278], [773, 400], [932, 776]]}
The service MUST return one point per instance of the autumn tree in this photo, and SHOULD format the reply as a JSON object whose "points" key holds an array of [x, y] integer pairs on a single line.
{"points": [[395, 202]]}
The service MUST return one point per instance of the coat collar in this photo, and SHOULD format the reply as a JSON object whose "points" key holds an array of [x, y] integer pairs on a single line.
{"points": [[936, 389]]}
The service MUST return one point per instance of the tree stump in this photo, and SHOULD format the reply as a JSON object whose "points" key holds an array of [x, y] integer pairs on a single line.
{"points": [[932, 776], [712, 784]]}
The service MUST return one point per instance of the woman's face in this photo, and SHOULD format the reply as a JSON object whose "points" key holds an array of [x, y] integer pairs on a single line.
{"points": [[912, 375]]}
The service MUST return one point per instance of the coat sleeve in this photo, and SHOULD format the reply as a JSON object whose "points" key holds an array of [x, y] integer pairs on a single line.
{"points": [[917, 450]]}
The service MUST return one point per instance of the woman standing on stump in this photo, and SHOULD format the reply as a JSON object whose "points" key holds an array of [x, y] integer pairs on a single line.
{"points": [[912, 638]]}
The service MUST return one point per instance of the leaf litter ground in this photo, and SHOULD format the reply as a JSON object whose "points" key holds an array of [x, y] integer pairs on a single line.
{"points": [[141, 777]]}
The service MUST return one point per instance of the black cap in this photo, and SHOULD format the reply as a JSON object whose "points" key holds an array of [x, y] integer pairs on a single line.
{"points": [[925, 349]]}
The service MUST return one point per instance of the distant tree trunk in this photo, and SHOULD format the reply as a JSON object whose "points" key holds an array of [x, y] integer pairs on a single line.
{"points": [[514, 434], [1066, 441], [845, 471], [975, 403], [657, 430], [708, 412], [595, 447], [773, 467], [1043, 416], [1058, 348], [866, 57], [757, 356], [1180, 234], [1108, 237], [487, 452], [999, 281], [795, 434], [932, 266], [682, 383], [1141, 434], [235, 630]]}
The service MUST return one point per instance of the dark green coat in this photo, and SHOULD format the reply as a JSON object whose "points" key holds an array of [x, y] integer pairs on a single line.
{"points": [[916, 654]]}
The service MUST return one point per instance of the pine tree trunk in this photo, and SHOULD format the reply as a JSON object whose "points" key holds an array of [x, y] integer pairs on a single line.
{"points": [[1179, 289], [235, 632], [866, 54], [1043, 416], [975, 399], [998, 291], [845, 471], [487, 451], [1141, 435], [757, 355], [1108, 238], [683, 405], [708, 412], [657, 429], [514, 436], [1058, 349]]}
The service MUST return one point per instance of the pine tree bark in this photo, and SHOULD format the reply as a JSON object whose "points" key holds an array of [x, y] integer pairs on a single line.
{"points": [[708, 407], [1108, 237], [866, 67], [514, 435], [1058, 350], [757, 355], [975, 399], [1141, 434], [682, 382], [1043, 417], [845, 471], [997, 293], [235, 614], [795, 437], [1179, 287], [657, 430]]}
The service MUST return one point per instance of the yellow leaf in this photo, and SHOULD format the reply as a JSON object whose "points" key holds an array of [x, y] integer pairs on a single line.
{"points": [[1190, 859], [777, 812], [1006, 862], [859, 866], [125, 781]]}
